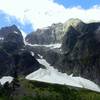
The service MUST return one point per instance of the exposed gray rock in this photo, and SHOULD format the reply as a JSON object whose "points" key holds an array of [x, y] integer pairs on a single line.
{"points": [[49, 35], [70, 39]]}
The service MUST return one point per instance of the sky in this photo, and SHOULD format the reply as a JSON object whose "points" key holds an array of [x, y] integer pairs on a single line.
{"points": [[86, 4], [29, 15]]}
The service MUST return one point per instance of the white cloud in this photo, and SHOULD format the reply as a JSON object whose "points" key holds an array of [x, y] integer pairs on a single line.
{"points": [[42, 13]]}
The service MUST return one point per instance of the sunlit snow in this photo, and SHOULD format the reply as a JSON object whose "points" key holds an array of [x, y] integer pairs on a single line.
{"points": [[52, 75], [5, 79]]}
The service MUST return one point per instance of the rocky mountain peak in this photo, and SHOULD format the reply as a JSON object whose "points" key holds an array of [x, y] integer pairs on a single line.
{"points": [[49, 35], [76, 23], [11, 38], [13, 55], [54, 33], [9, 29]]}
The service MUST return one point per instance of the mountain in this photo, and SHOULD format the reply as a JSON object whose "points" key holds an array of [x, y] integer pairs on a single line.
{"points": [[64, 53], [13, 55], [79, 52], [81, 48], [54, 33]]}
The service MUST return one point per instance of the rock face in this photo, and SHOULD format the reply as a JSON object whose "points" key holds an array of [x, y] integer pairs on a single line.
{"points": [[80, 51], [75, 23], [6, 63], [69, 39], [12, 38], [54, 33], [25, 63], [13, 55], [49, 35]]}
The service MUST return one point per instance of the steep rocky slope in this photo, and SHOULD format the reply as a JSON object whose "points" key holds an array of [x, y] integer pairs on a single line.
{"points": [[82, 49], [13, 55]]}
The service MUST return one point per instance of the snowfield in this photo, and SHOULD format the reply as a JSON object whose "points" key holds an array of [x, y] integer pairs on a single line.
{"points": [[52, 75], [5, 79]]}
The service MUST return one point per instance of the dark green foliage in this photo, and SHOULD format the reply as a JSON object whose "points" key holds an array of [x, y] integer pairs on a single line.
{"points": [[44, 91], [32, 90], [5, 92]]}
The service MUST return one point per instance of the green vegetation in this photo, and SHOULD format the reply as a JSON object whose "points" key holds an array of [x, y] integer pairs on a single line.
{"points": [[33, 90]]}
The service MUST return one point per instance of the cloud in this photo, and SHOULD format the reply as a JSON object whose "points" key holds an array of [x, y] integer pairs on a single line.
{"points": [[42, 13]]}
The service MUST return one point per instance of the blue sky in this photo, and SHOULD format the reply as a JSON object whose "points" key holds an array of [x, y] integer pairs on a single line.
{"points": [[12, 20], [32, 14], [83, 3]]}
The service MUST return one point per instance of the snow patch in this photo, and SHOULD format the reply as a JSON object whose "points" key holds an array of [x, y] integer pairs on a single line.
{"points": [[52, 75], [15, 32], [24, 35], [52, 46], [1, 38], [5, 79], [40, 56], [32, 53]]}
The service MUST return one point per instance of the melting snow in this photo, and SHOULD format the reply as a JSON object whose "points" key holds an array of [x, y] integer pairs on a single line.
{"points": [[52, 75], [5, 79]]}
